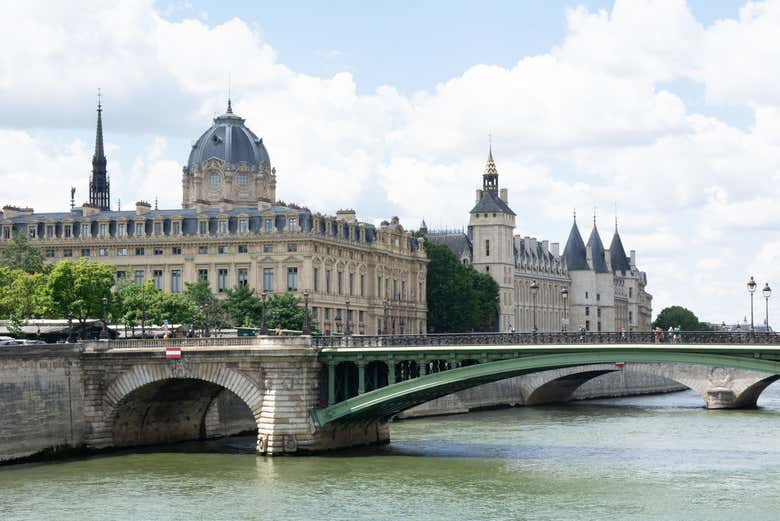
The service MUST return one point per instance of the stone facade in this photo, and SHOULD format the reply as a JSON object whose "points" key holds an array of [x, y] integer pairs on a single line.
{"points": [[586, 286], [231, 231]]}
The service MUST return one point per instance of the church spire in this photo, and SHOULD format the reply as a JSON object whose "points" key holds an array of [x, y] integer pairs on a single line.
{"points": [[99, 194], [490, 177]]}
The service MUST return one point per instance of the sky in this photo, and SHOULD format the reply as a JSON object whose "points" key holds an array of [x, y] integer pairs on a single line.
{"points": [[661, 115]]}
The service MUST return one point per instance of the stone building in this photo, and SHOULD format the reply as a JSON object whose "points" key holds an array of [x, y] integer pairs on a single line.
{"points": [[585, 286], [231, 231]]}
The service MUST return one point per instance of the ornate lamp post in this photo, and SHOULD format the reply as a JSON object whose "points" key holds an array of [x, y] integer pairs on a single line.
{"points": [[205, 310], [143, 309], [104, 329], [347, 328], [263, 325], [767, 291], [306, 329], [384, 323], [751, 286], [534, 290], [565, 296]]}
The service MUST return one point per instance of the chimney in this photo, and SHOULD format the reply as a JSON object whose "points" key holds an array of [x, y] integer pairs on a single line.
{"points": [[633, 259], [532, 244], [546, 246], [142, 207], [479, 195], [347, 215], [504, 195], [15, 211], [555, 249], [88, 209]]}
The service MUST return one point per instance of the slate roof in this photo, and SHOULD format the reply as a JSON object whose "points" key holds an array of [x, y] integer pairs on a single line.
{"points": [[458, 243], [491, 203], [617, 254], [574, 254], [597, 251]]}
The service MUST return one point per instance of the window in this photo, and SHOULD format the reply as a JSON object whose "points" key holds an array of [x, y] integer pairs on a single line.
{"points": [[158, 251], [420, 292], [242, 180], [351, 284], [598, 312], [215, 180], [103, 252], [120, 275], [139, 229], [361, 316], [157, 277], [176, 250], [340, 282], [327, 281], [395, 289], [268, 279], [158, 228], [598, 297], [85, 230], [175, 281], [203, 274], [121, 252], [586, 295], [67, 252], [316, 279], [68, 231], [243, 226], [103, 229], [268, 248], [139, 251], [243, 278], [631, 317], [587, 325], [121, 230], [268, 225], [49, 253], [599, 326], [203, 227], [630, 292], [587, 311], [292, 247], [138, 277], [362, 285], [85, 252], [49, 231], [292, 279], [203, 249], [487, 247], [175, 228], [223, 249], [292, 224], [222, 226], [222, 274], [243, 248]]}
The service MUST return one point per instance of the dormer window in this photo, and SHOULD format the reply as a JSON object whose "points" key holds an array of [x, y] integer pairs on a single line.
{"points": [[104, 229], [139, 229], [243, 226], [215, 180], [203, 227], [50, 231], [223, 226], [33, 231], [158, 228], [121, 230], [175, 228], [292, 224], [268, 225], [67, 231], [85, 230]]}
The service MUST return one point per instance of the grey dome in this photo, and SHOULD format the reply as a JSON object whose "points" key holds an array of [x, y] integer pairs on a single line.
{"points": [[229, 140]]}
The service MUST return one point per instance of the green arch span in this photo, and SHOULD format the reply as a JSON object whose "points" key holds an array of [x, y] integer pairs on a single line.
{"points": [[390, 400]]}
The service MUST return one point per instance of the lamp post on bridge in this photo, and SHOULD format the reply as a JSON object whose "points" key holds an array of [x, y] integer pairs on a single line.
{"points": [[751, 286], [534, 290], [767, 291], [104, 328], [565, 296], [384, 322], [347, 328], [306, 329]]}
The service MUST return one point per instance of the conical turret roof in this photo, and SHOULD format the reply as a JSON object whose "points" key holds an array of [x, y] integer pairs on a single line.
{"points": [[574, 253], [617, 254], [597, 251]]}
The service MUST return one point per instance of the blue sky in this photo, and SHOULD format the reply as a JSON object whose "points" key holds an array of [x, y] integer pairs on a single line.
{"points": [[665, 110]]}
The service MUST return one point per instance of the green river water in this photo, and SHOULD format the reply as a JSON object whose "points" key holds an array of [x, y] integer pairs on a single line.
{"points": [[649, 458]]}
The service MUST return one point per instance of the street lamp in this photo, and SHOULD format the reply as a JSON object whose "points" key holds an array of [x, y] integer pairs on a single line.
{"points": [[104, 330], [384, 323], [534, 290], [767, 291], [347, 329], [751, 286], [564, 296], [306, 328], [143, 309], [263, 325]]}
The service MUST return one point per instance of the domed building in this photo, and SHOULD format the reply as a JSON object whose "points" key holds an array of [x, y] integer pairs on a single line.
{"points": [[231, 231]]}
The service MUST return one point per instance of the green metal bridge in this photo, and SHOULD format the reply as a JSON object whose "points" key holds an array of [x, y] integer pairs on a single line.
{"points": [[378, 377]]}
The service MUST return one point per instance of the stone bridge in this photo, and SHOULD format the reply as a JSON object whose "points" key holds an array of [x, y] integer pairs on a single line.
{"points": [[305, 394]]}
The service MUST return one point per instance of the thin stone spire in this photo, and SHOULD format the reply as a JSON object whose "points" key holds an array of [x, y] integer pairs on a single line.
{"points": [[99, 192]]}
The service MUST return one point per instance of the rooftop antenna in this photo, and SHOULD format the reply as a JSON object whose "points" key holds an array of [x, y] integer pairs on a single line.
{"points": [[119, 205], [575, 215], [99, 96], [616, 218], [72, 197], [594, 215], [230, 107], [155, 203]]}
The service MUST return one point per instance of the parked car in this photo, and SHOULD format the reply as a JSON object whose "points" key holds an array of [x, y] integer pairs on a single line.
{"points": [[9, 342], [31, 342]]}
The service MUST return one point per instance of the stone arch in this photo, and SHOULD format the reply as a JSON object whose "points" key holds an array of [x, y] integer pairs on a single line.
{"points": [[133, 398]]}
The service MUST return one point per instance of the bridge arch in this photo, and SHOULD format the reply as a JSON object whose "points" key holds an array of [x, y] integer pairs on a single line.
{"points": [[153, 404]]}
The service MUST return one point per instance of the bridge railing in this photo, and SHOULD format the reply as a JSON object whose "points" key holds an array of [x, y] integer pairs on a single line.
{"points": [[557, 338], [232, 341]]}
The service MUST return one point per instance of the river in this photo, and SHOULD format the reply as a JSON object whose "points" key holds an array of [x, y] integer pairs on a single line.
{"points": [[646, 458]]}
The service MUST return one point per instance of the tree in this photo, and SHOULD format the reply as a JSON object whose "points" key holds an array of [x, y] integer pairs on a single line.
{"points": [[486, 290], [674, 316], [284, 311], [211, 313], [243, 307], [78, 289], [18, 254], [22, 297], [452, 301]]}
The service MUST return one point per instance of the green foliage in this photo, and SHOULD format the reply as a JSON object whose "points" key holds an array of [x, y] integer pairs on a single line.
{"points": [[459, 298], [243, 307], [78, 289], [210, 311], [285, 312], [674, 316], [18, 254], [22, 295]]}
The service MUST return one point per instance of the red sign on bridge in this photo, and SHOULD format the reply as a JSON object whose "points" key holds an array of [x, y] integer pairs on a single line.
{"points": [[172, 352]]}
